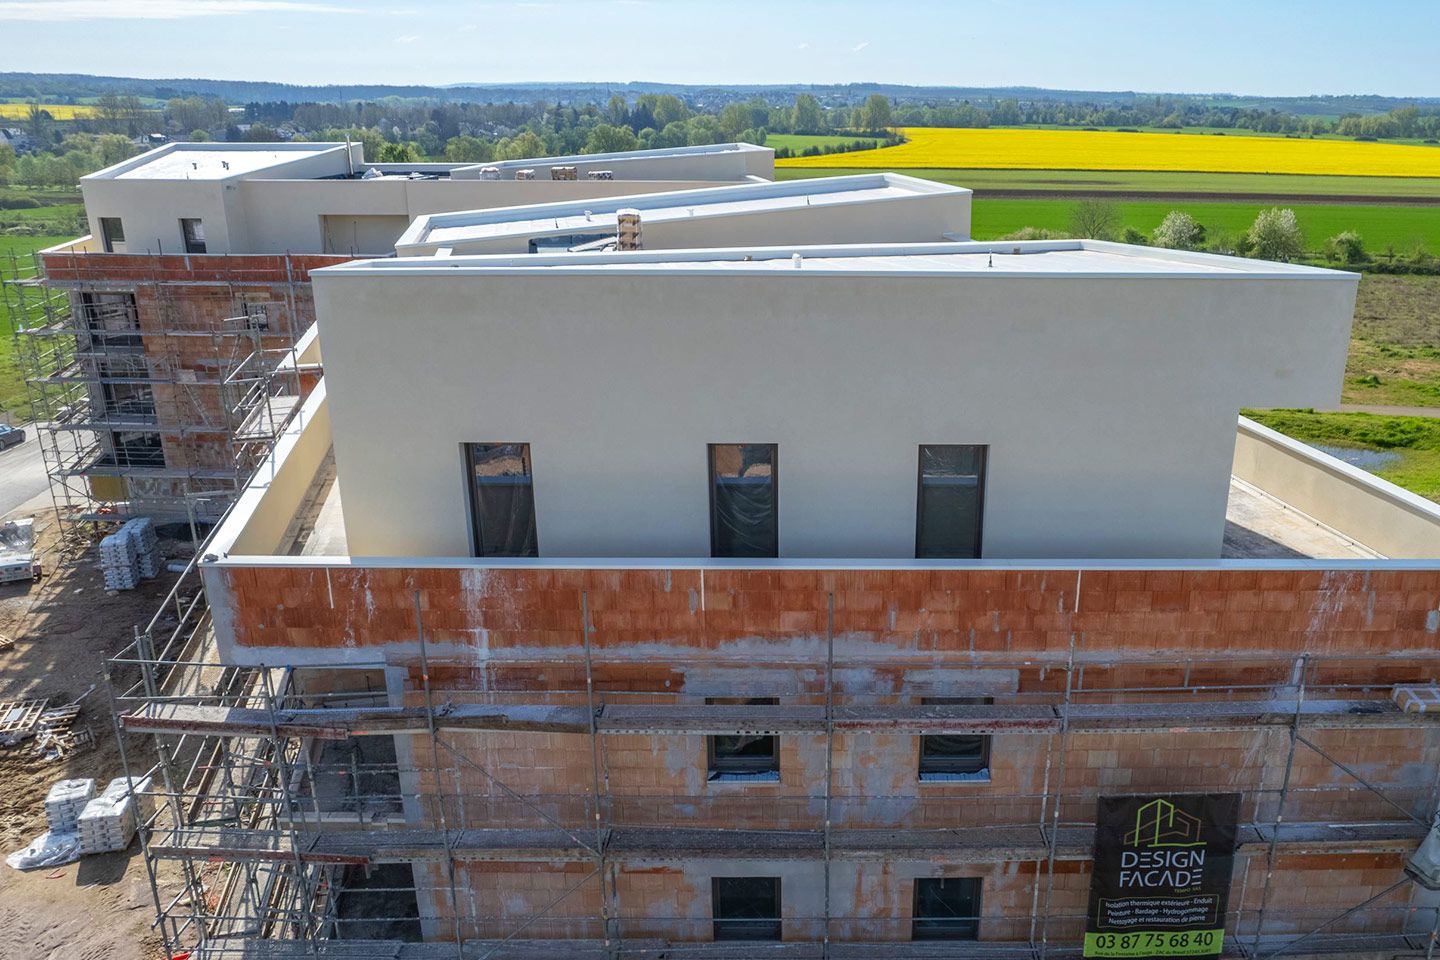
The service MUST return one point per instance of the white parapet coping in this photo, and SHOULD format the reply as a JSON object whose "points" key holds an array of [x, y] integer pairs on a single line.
{"points": [[1384, 517]]}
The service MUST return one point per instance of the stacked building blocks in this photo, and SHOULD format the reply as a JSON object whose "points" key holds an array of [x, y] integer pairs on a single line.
{"points": [[130, 554], [66, 802]]}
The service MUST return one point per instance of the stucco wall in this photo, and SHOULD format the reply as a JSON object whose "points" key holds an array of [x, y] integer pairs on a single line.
{"points": [[285, 216], [1109, 404], [1388, 519]]}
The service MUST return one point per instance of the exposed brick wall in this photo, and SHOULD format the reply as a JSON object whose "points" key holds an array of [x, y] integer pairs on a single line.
{"points": [[518, 636], [886, 618], [193, 294]]}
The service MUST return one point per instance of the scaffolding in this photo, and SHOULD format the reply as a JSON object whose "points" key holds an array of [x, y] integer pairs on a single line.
{"points": [[287, 834], [153, 398]]}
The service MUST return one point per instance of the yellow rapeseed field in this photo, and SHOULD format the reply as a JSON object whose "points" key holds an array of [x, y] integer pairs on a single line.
{"points": [[60, 111], [1002, 149]]}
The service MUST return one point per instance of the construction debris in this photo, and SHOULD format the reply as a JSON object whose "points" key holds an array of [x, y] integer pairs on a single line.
{"points": [[57, 736]]}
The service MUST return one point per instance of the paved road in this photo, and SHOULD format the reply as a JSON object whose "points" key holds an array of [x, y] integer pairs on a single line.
{"points": [[22, 473], [1390, 411]]}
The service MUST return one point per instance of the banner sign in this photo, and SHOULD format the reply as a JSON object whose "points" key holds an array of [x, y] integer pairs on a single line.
{"points": [[1161, 877]]}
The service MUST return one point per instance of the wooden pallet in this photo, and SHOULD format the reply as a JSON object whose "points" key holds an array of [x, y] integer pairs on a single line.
{"points": [[57, 735], [18, 719]]}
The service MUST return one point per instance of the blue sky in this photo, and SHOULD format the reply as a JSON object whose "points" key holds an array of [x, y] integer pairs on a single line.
{"points": [[1272, 47]]}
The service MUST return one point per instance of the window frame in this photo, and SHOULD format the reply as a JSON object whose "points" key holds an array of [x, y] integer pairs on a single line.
{"points": [[982, 476], [739, 928], [742, 769], [712, 485], [188, 235], [106, 240], [922, 773], [946, 928], [467, 463]]}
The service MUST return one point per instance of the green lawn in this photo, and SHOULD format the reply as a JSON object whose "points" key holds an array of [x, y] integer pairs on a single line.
{"points": [[1395, 343], [1075, 182], [1403, 227]]}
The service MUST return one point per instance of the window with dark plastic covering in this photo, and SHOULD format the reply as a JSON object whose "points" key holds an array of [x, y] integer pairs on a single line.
{"points": [[951, 501], [744, 756], [746, 908], [743, 520], [946, 908], [958, 757], [193, 232], [502, 499], [112, 235]]}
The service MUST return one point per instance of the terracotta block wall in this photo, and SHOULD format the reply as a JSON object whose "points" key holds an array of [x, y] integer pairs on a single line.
{"points": [[171, 293], [679, 635]]}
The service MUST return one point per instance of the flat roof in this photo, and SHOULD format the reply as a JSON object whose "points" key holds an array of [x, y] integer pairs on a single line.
{"points": [[1032, 258], [591, 159], [211, 161], [582, 216]]}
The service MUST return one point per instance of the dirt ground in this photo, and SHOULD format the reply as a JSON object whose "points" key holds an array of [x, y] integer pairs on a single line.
{"points": [[65, 628]]}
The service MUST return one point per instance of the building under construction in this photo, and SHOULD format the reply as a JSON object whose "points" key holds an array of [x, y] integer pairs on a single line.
{"points": [[163, 350], [518, 647]]}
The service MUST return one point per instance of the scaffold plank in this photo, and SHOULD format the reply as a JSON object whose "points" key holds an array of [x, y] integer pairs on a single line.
{"points": [[987, 843], [697, 719]]}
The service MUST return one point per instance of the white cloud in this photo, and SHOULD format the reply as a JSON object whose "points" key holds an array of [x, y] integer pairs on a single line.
{"points": [[407, 38], [803, 46], [56, 11], [860, 46]]}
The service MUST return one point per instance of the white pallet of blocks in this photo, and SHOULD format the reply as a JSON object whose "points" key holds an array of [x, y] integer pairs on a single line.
{"points": [[130, 554], [108, 821], [65, 803]]}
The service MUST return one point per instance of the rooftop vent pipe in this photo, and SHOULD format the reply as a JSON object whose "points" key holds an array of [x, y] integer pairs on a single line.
{"points": [[627, 229]]}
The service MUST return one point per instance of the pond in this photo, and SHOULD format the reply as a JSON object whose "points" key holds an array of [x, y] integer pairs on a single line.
{"points": [[1358, 457]]}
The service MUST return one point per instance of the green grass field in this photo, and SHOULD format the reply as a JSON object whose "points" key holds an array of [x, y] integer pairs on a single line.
{"points": [[1381, 226], [1072, 182]]}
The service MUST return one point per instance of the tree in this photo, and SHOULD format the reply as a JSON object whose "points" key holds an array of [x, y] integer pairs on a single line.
{"points": [[668, 109], [875, 113], [467, 149], [1347, 247], [399, 153], [522, 147], [1179, 231], [605, 138], [114, 147], [807, 116], [1276, 235], [1094, 219], [199, 136]]}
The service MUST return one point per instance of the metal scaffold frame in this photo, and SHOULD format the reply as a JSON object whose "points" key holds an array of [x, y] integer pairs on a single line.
{"points": [[165, 417], [241, 774]]}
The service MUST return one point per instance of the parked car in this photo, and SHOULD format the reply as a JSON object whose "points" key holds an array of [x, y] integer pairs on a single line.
{"points": [[10, 436]]}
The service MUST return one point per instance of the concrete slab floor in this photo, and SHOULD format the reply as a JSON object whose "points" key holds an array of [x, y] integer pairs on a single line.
{"points": [[1259, 526]]}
